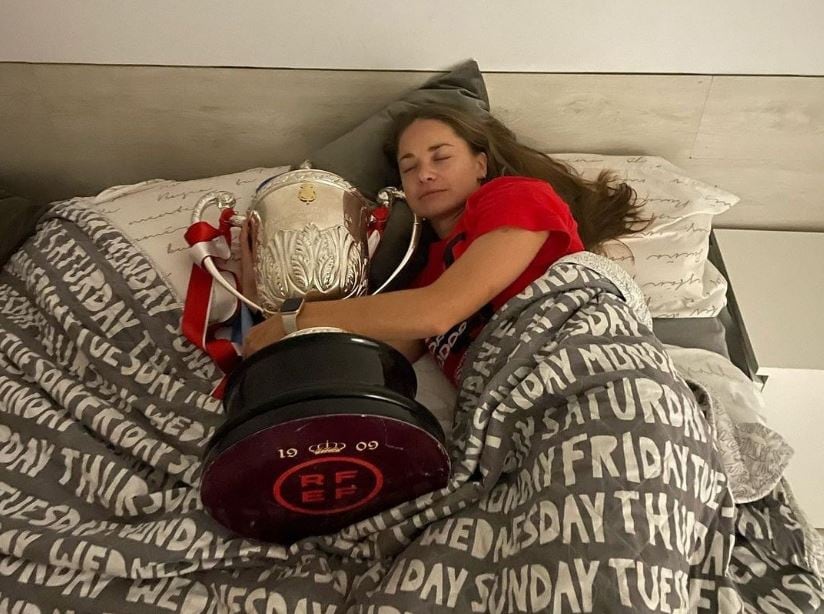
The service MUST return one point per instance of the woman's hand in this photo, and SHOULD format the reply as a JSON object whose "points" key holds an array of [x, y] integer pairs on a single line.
{"points": [[266, 333], [247, 259]]}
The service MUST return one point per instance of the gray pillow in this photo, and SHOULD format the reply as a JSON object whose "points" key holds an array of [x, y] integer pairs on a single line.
{"points": [[701, 333], [358, 157], [18, 218]]}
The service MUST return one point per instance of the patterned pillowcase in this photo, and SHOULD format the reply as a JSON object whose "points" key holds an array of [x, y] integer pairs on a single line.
{"points": [[155, 215], [668, 260]]}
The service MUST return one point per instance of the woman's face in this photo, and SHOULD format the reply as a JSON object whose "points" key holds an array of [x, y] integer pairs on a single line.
{"points": [[438, 171]]}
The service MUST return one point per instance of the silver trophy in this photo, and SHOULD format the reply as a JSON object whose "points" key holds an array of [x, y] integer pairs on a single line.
{"points": [[310, 238], [322, 427]]}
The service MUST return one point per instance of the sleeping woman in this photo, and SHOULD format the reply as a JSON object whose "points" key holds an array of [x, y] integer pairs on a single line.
{"points": [[501, 212]]}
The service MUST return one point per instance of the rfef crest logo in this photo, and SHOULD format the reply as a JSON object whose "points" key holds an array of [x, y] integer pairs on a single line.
{"points": [[328, 485]]}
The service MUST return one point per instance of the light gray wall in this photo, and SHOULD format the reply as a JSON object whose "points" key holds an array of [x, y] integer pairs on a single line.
{"points": [[616, 36], [74, 130]]}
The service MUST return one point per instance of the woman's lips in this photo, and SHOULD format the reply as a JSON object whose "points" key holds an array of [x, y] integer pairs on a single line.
{"points": [[425, 194]]}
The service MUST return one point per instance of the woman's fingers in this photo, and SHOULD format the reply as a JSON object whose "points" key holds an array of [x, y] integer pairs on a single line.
{"points": [[247, 260], [252, 343], [245, 247], [252, 231]]}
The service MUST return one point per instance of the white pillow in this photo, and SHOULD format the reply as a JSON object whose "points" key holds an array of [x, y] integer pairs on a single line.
{"points": [[155, 214], [669, 259]]}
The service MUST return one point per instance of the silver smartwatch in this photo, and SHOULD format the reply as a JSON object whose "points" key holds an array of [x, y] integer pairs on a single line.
{"points": [[289, 312]]}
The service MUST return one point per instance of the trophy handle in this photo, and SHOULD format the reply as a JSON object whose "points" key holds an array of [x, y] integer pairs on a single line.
{"points": [[223, 200], [385, 198]]}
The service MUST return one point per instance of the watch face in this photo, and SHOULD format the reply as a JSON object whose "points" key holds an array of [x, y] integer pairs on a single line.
{"points": [[291, 304]]}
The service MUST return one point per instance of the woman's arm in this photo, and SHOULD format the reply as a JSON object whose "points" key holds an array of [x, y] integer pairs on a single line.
{"points": [[413, 349], [490, 264]]}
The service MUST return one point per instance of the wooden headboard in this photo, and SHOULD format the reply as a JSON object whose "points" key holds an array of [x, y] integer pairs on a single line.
{"points": [[75, 129]]}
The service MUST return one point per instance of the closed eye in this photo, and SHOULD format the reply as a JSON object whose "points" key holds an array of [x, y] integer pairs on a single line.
{"points": [[412, 168]]}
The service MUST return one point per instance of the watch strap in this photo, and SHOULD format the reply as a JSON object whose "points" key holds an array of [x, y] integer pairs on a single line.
{"points": [[289, 312]]}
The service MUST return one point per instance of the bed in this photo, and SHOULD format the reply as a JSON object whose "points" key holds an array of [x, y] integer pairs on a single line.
{"points": [[608, 451]]}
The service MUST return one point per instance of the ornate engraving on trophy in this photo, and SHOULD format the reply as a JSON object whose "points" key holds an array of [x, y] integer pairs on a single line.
{"points": [[310, 262]]}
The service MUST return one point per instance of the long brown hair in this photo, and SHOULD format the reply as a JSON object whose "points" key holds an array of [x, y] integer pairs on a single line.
{"points": [[604, 208]]}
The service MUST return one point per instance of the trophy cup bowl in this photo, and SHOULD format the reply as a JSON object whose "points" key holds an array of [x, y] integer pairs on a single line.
{"points": [[322, 427]]}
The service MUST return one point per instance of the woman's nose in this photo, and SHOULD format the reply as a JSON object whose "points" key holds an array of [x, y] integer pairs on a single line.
{"points": [[426, 172]]}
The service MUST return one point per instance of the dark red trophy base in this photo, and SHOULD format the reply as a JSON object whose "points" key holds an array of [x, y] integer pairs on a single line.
{"points": [[322, 431]]}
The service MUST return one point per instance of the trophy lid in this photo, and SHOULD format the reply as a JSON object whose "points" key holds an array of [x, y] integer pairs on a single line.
{"points": [[306, 174]]}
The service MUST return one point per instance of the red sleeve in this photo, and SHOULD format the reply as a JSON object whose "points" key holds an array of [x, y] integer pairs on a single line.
{"points": [[522, 202]]}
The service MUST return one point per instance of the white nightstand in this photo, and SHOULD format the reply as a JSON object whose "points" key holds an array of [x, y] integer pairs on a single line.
{"points": [[777, 278]]}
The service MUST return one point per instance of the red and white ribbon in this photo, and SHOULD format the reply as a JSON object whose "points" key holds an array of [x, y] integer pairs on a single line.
{"points": [[204, 310]]}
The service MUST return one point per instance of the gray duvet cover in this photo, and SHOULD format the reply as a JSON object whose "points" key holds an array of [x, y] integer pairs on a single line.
{"points": [[587, 473]]}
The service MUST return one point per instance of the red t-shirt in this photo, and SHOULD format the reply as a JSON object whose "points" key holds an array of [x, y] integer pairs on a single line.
{"points": [[521, 202]]}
